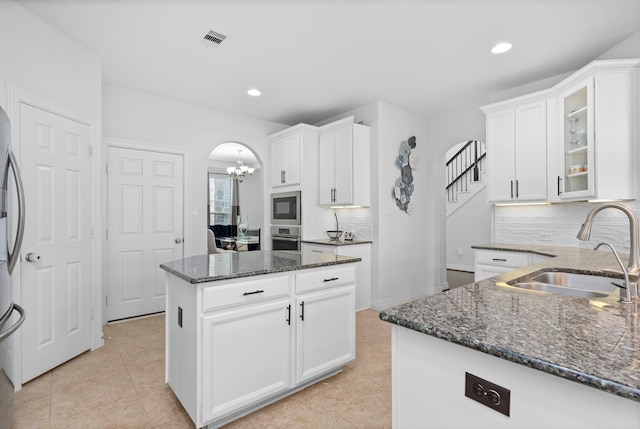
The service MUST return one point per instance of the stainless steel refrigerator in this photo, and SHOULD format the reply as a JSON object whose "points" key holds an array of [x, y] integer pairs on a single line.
{"points": [[11, 314]]}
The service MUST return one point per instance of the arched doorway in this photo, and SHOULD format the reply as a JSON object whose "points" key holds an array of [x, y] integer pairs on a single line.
{"points": [[236, 198], [468, 216]]}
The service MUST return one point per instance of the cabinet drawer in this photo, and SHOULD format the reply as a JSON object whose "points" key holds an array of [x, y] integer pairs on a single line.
{"points": [[325, 278], [502, 259], [245, 292]]}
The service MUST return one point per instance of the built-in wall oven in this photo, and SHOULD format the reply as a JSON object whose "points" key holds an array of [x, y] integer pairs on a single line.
{"points": [[285, 237], [285, 208]]}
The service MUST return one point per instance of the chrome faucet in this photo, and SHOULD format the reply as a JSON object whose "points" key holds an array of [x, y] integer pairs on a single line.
{"points": [[633, 268], [627, 285]]}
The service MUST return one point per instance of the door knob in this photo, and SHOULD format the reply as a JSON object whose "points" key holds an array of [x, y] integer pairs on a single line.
{"points": [[32, 257], [178, 240]]}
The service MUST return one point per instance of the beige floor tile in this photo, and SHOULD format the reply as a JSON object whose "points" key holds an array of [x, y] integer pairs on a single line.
{"points": [[122, 386], [36, 388], [125, 413], [32, 413], [73, 395], [161, 405]]}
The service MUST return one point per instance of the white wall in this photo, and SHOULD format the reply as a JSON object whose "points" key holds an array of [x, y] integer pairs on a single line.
{"points": [[446, 130], [39, 61], [469, 225], [405, 248], [196, 131], [37, 57]]}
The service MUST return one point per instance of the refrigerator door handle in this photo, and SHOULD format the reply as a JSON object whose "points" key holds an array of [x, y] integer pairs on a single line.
{"points": [[16, 325], [13, 253]]}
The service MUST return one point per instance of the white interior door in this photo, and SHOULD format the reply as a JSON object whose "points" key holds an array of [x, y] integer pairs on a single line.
{"points": [[145, 208], [56, 290]]}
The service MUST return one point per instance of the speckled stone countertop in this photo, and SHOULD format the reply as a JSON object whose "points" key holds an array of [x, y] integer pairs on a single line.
{"points": [[594, 341], [231, 265], [329, 242]]}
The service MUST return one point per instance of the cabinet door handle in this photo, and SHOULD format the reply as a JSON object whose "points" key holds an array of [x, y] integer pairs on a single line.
{"points": [[253, 293], [289, 314], [302, 311], [517, 189], [512, 189], [335, 195], [500, 259], [282, 176], [332, 279], [559, 181]]}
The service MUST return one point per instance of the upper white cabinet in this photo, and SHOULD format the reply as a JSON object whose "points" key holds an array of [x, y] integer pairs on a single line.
{"points": [[571, 142], [288, 150], [517, 151], [593, 157], [285, 158], [343, 164]]}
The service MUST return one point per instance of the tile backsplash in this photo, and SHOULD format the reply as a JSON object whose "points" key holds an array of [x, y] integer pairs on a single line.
{"points": [[357, 220], [558, 224]]}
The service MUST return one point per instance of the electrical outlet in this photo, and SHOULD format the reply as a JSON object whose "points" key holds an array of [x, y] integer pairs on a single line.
{"points": [[488, 394]]}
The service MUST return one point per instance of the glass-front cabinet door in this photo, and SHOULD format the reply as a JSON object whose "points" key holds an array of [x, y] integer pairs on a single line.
{"points": [[578, 170]]}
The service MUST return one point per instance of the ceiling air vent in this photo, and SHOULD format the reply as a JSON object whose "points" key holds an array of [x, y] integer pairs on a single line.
{"points": [[215, 38]]}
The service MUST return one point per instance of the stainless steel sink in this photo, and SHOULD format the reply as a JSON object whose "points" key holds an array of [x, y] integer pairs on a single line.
{"points": [[579, 285]]}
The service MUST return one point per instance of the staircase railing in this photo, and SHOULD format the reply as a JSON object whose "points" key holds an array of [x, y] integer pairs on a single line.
{"points": [[464, 167]]}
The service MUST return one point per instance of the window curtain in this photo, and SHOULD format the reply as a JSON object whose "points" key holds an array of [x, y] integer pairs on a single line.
{"points": [[235, 202]]}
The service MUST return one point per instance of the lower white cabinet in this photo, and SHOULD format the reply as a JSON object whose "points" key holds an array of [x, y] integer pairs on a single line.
{"points": [[234, 346], [326, 331], [489, 263], [246, 356], [363, 268]]}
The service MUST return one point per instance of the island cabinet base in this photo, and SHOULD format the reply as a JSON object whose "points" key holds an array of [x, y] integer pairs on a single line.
{"points": [[237, 345], [428, 384]]}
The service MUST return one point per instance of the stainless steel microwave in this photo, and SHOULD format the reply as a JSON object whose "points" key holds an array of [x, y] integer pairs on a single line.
{"points": [[285, 208]]}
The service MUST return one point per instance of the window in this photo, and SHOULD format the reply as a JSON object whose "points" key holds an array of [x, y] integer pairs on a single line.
{"points": [[220, 188]]}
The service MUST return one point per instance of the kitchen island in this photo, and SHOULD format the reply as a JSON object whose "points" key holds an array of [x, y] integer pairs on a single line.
{"points": [[567, 361], [248, 328]]}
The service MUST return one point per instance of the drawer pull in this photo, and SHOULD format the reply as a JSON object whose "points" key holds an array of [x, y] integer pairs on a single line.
{"points": [[332, 279], [500, 259], [253, 293]]}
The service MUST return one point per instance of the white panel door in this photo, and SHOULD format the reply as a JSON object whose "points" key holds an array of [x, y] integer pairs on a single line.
{"points": [[144, 228], [56, 290]]}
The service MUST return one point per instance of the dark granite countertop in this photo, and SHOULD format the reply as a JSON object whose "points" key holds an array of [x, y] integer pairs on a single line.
{"points": [[594, 341], [231, 265], [329, 242]]}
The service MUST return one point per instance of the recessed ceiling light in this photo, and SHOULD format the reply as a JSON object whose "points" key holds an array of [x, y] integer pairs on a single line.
{"points": [[501, 48], [254, 92]]}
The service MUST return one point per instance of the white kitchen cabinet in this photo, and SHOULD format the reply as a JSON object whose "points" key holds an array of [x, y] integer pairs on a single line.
{"points": [[285, 159], [289, 150], [325, 331], [517, 151], [592, 153], [236, 373], [236, 345], [489, 263], [363, 268], [343, 164]]}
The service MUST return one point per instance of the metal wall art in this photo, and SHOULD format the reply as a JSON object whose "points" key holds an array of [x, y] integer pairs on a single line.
{"points": [[407, 161]]}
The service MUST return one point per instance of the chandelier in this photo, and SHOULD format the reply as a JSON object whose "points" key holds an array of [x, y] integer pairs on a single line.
{"points": [[240, 171]]}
